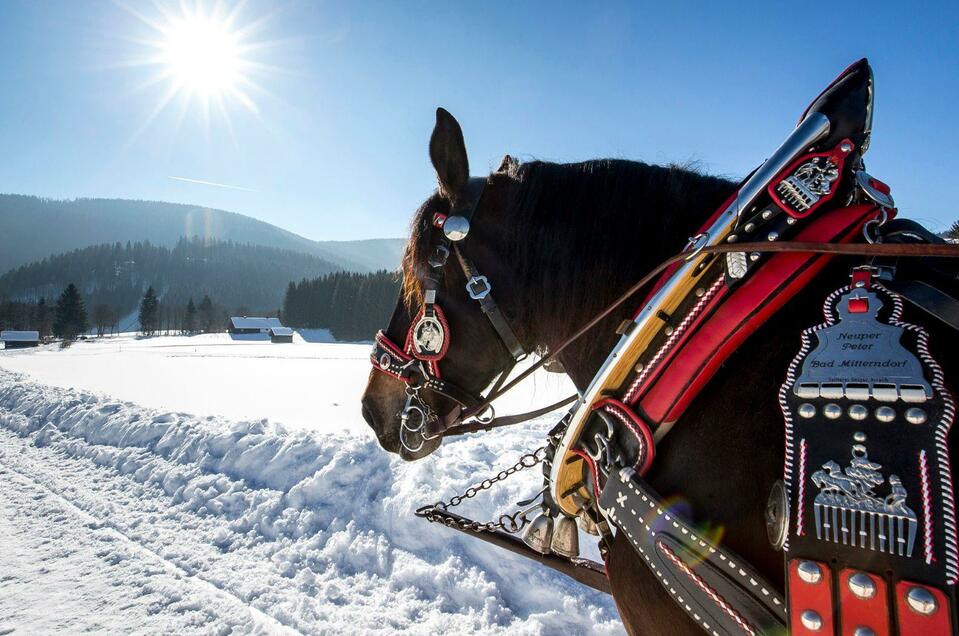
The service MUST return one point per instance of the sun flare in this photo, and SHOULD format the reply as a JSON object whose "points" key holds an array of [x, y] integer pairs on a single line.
{"points": [[203, 56]]}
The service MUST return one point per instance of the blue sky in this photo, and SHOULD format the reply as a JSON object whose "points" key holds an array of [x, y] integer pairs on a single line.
{"points": [[336, 147]]}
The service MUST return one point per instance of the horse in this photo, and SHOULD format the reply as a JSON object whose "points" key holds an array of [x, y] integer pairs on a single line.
{"points": [[559, 242]]}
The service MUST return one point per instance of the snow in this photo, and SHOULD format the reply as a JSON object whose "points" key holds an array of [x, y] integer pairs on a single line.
{"points": [[253, 322], [128, 514]]}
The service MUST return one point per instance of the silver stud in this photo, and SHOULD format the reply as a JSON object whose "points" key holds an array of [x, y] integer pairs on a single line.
{"points": [[699, 292], [862, 585], [921, 601], [859, 436], [639, 367], [809, 572], [791, 221], [811, 620], [846, 146], [767, 214], [862, 630], [885, 414], [668, 331], [858, 412], [832, 411], [749, 227], [772, 236], [732, 238], [754, 256], [915, 416], [456, 228], [806, 410]]}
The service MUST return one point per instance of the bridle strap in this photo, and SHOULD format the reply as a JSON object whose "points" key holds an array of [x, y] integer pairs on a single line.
{"points": [[480, 290], [508, 420], [910, 250]]}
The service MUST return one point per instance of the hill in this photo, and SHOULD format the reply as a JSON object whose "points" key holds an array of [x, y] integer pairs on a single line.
{"points": [[32, 228], [252, 277]]}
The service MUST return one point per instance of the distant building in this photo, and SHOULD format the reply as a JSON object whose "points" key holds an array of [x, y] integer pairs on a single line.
{"points": [[252, 324], [20, 339], [281, 334]]}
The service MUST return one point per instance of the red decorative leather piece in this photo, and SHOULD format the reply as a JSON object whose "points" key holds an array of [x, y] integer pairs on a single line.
{"points": [[439, 219], [862, 278], [912, 623], [858, 305], [837, 155], [749, 305], [809, 596], [872, 612], [637, 427]]}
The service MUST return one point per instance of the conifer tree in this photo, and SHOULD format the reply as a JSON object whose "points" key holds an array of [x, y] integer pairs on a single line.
{"points": [[189, 318], [71, 316], [149, 313]]}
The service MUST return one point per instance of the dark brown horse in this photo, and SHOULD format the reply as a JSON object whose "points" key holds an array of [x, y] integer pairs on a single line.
{"points": [[559, 243]]}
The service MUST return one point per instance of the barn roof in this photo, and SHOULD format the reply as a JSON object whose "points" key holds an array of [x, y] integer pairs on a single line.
{"points": [[20, 336], [281, 331], [253, 322]]}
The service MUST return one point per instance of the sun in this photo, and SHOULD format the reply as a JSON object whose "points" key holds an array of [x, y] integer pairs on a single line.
{"points": [[202, 53], [203, 56]]}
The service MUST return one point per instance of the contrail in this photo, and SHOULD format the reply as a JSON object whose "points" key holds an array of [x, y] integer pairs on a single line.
{"points": [[211, 183]]}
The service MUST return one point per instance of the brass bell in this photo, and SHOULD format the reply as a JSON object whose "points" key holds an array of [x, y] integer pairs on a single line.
{"points": [[539, 534], [565, 541]]}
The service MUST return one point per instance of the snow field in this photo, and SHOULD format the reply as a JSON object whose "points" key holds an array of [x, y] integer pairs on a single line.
{"points": [[263, 527]]}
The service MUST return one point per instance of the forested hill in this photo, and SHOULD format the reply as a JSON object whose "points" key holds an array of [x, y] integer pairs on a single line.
{"points": [[32, 228], [251, 278]]}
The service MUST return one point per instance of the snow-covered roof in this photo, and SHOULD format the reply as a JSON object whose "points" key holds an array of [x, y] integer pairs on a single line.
{"points": [[281, 331], [20, 336], [253, 322]]}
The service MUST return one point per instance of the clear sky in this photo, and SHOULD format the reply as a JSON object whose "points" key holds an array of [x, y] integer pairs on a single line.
{"points": [[325, 132]]}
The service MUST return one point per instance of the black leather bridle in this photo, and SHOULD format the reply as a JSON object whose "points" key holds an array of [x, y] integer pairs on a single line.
{"points": [[416, 362]]}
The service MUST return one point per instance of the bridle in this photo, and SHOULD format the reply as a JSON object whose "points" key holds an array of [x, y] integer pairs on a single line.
{"points": [[428, 339]]}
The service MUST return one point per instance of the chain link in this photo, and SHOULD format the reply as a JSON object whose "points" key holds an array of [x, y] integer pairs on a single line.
{"points": [[511, 523]]}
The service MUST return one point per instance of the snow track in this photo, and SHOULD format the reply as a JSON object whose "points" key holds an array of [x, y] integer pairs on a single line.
{"points": [[150, 521]]}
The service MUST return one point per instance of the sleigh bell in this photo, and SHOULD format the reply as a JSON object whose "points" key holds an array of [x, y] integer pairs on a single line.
{"points": [[539, 534], [565, 540]]}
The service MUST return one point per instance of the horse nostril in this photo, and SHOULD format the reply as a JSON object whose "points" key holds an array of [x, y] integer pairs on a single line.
{"points": [[368, 415]]}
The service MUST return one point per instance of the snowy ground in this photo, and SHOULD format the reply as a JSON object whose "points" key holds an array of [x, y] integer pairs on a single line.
{"points": [[120, 512]]}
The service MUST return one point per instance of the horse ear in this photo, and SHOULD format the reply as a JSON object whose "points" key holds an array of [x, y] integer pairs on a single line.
{"points": [[507, 164], [448, 154]]}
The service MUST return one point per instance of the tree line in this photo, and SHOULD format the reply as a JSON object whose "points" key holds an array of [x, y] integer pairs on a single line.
{"points": [[352, 306], [115, 274], [68, 318]]}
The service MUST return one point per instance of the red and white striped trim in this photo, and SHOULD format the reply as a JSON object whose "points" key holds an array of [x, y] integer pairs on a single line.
{"points": [[673, 338], [801, 495], [926, 507], [710, 592]]}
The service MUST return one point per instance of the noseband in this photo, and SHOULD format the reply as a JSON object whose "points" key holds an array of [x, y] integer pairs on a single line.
{"points": [[428, 338]]}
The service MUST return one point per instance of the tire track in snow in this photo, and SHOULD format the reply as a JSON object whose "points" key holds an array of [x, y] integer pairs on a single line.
{"points": [[264, 621]]}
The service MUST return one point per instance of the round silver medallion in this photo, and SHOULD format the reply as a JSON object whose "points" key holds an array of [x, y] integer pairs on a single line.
{"points": [[809, 572], [777, 515], [811, 620], [921, 601], [862, 585], [428, 336], [385, 361]]}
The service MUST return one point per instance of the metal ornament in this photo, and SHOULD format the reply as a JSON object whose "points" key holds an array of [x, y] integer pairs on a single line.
{"points": [[849, 511], [429, 335], [810, 182], [539, 534], [777, 515], [736, 264], [455, 228]]}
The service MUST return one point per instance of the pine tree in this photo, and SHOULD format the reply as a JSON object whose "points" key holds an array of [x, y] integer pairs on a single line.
{"points": [[149, 313], [953, 231], [207, 315], [189, 318], [71, 315]]}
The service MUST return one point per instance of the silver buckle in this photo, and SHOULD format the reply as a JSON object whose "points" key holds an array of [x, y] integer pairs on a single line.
{"points": [[478, 287]]}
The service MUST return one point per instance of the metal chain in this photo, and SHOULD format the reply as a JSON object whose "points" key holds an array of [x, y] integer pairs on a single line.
{"points": [[511, 523]]}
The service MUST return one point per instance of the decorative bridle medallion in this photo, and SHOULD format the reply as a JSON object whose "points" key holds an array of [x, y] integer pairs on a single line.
{"points": [[428, 336]]}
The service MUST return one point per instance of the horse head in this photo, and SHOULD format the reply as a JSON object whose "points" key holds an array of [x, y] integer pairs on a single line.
{"points": [[462, 346]]}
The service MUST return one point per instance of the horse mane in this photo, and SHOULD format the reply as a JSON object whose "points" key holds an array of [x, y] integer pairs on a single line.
{"points": [[595, 225]]}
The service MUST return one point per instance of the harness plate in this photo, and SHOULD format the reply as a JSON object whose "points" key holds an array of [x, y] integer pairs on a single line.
{"points": [[867, 466]]}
